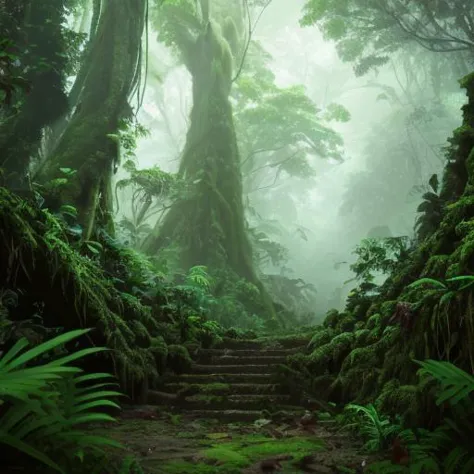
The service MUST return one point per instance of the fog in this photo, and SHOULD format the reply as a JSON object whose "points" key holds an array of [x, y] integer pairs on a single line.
{"points": [[388, 151]]}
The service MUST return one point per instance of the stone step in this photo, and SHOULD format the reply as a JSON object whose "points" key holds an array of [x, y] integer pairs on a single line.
{"points": [[250, 352], [221, 378], [216, 388], [239, 344], [246, 360], [232, 369], [221, 402], [268, 343], [235, 402]]}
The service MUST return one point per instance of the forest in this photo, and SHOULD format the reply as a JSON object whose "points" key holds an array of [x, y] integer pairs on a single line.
{"points": [[236, 236]]}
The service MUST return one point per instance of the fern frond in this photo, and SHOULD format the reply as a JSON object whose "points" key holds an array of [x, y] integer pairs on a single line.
{"points": [[456, 384]]}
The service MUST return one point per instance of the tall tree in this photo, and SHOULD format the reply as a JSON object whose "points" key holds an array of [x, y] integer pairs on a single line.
{"points": [[208, 222], [88, 147], [33, 33]]}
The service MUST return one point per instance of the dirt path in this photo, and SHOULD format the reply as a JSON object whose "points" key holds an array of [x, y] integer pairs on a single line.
{"points": [[229, 415], [180, 444]]}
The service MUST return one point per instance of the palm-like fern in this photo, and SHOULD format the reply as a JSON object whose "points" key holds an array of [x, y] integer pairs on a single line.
{"points": [[377, 430], [449, 448], [47, 404]]}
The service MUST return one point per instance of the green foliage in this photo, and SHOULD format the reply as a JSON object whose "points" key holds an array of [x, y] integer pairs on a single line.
{"points": [[287, 142], [431, 211], [377, 430], [127, 134], [89, 285], [458, 283], [178, 359], [11, 85], [447, 449], [367, 33], [149, 191], [456, 384], [267, 250], [45, 405], [198, 276], [379, 255], [296, 296]]}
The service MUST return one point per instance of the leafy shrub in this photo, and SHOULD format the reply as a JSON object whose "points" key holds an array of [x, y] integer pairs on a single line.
{"points": [[448, 449], [44, 406]]}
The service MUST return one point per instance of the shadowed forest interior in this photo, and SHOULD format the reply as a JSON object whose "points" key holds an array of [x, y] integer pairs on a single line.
{"points": [[236, 236]]}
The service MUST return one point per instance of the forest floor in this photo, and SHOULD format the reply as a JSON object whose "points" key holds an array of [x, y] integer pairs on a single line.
{"points": [[166, 443]]}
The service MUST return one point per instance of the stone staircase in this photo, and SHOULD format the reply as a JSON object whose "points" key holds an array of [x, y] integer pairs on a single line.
{"points": [[234, 382]]}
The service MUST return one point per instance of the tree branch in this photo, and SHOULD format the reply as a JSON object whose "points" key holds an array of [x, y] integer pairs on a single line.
{"points": [[251, 31]]}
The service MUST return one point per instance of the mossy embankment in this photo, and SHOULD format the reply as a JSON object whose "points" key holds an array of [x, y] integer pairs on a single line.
{"points": [[365, 353]]}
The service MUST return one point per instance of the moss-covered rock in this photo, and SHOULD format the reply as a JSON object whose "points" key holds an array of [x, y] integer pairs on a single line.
{"points": [[346, 323], [331, 319], [178, 360], [321, 337]]}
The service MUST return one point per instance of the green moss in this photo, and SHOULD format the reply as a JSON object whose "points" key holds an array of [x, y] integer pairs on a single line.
{"points": [[74, 288], [330, 355], [251, 449], [178, 360], [321, 337], [331, 319], [341, 344], [361, 337], [346, 323], [364, 357], [231, 457], [436, 266], [399, 399], [159, 350], [215, 387], [374, 323], [319, 359], [208, 398]]}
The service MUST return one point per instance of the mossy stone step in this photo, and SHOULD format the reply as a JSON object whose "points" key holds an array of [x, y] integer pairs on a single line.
{"points": [[217, 388], [239, 344], [236, 379], [271, 343], [221, 378], [246, 360], [250, 352], [231, 369], [234, 402]]}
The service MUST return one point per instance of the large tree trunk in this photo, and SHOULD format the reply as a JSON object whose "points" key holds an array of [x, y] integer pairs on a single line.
{"points": [[85, 146], [38, 34], [208, 224]]}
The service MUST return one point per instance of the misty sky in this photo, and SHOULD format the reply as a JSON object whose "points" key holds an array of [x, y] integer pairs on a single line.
{"points": [[301, 56]]}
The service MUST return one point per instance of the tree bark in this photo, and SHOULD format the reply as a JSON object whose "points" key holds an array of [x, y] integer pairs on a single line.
{"points": [[41, 45], [85, 146], [208, 223]]}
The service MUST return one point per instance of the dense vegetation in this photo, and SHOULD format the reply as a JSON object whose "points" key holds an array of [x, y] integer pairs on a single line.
{"points": [[97, 306]]}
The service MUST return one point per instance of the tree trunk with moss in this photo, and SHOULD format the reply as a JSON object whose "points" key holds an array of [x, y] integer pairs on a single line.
{"points": [[85, 146], [39, 40], [208, 222]]}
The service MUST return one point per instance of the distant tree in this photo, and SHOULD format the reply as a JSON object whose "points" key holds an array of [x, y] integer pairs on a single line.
{"points": [[399, 164], [368, 32], [207, 223]]}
